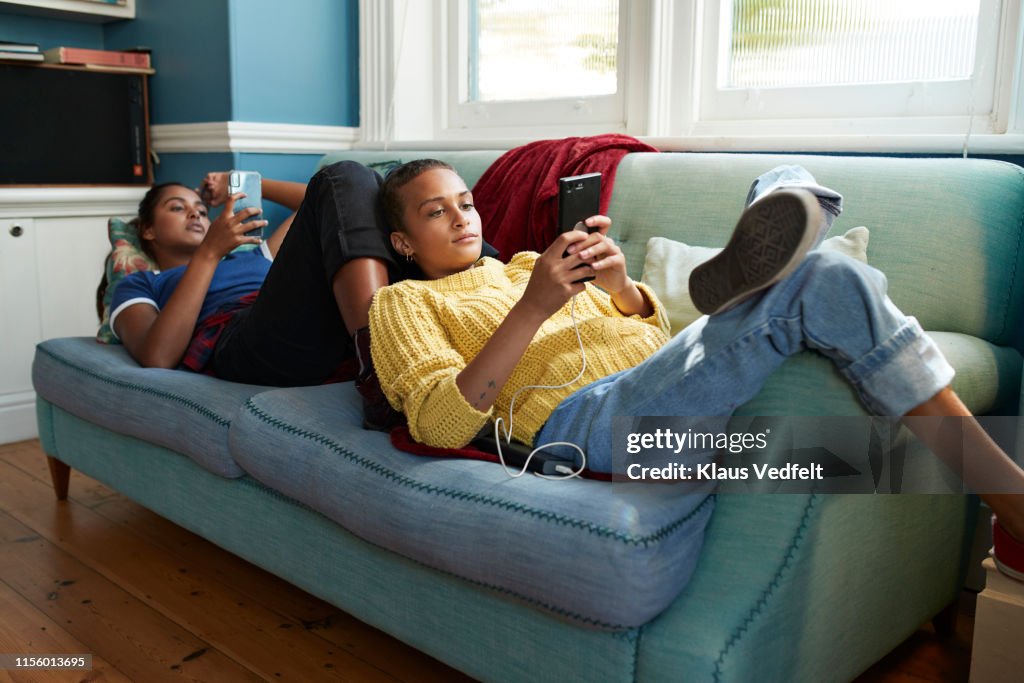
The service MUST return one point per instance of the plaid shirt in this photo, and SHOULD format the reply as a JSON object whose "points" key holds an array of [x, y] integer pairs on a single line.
{"points": [[208, 331]]}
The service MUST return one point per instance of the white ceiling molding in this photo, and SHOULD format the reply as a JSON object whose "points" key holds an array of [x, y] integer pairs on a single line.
{"points": [[244, 136]]}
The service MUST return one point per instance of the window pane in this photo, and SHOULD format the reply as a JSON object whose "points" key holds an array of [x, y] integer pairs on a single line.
{"points": [[542, 49], [817, 42]]}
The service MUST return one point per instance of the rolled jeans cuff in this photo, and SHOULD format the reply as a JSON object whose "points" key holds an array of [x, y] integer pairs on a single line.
{"points": [[901, 373]]}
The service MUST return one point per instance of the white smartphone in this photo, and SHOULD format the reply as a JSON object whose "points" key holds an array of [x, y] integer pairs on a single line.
{"points": [[249, 183]]}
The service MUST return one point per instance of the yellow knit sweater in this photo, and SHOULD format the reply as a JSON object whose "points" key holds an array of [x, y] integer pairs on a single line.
{"points": [[424, 332]]}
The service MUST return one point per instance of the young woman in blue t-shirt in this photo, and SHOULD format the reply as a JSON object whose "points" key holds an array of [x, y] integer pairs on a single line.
{"points": [[316, 276]]}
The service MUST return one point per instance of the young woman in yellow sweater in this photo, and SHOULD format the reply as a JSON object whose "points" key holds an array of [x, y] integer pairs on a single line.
{"points": [[475, 338]]}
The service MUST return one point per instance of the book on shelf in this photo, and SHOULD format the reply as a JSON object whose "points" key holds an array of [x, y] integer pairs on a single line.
{"points": [[21, 56], [13, 46], [80, 55]]}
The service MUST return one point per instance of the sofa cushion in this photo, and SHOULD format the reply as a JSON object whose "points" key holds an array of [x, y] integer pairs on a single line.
{"points": [[987, 380], [668, 264], [183, 411], [471, 164], [924, 215], [633, 546]]}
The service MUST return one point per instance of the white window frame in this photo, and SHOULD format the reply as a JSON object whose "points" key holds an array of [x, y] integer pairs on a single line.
{"points": [[410, 82], [939, 107], [413, 82], [605, 113]]}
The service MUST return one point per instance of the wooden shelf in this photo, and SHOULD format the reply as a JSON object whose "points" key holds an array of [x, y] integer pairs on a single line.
{"points": [[95, 68]]}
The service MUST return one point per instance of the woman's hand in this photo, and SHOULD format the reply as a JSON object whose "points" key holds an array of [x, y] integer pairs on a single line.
{"points": [[603, 255], [214, 188], [555, 279], [228, 232], [608, 264]]}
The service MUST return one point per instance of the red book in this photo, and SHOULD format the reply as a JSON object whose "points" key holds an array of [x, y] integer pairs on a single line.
{"points": [[79, 55]]}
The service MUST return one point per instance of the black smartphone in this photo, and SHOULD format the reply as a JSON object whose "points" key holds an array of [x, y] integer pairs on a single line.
{"points": [[579, 198]]}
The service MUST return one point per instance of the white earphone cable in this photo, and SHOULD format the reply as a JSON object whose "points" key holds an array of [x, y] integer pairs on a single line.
{"points": [[565, 471]]}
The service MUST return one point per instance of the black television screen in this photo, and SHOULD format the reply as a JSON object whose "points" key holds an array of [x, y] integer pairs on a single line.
{"points": [[63, 126]]}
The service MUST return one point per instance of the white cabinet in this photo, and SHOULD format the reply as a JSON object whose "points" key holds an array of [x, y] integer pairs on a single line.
{"points": [[52, 245]]}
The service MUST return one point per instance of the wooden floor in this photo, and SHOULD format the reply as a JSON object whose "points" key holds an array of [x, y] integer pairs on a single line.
{"points": [[150, 601]]}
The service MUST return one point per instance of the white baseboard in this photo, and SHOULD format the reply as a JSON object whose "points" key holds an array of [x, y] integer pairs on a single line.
{"points": [[244, 136], [18, 418]]}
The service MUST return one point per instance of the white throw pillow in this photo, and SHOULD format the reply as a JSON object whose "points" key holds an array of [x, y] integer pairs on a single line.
{"points": [[668, 264]]}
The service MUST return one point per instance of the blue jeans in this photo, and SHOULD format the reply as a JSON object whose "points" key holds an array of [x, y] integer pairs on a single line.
{"points": [[831, 303]]}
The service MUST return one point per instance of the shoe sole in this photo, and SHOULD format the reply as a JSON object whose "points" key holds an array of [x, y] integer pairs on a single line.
{"points": [[770, 240]]}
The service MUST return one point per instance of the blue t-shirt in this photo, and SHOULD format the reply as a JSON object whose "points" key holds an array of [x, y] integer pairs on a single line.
{"points": [[236, 275]]}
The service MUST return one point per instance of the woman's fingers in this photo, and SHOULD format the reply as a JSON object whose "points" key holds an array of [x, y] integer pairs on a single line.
{"points": [[215, 187], [594, 249], [229, 205], [599, 223], [247, 213], [610, 262]]}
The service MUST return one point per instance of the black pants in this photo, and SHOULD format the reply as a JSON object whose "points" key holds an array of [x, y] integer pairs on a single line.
{"points": [[293, 334]]}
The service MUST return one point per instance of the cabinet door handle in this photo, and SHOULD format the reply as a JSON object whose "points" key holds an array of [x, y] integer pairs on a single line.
{"points": [[17, 231]]}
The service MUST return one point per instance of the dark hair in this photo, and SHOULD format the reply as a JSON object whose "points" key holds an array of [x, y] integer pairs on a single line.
{"points": [[147, 213], [397, 179], [145, 217]]}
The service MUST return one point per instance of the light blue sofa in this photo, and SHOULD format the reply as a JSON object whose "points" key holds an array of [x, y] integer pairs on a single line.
{"points": [[483, 572]]}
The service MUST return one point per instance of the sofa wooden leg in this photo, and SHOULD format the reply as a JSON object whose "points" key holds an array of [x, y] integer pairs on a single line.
{"points": [[60, 474], [945, 621]]}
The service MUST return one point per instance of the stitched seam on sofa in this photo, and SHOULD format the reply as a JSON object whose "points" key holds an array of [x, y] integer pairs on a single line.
{"points": [[198, 408], [560, 611], [627, 636], [636, 651], [769, 590], [618, 628], [545, 515], [259, 485], [1013, 274]]}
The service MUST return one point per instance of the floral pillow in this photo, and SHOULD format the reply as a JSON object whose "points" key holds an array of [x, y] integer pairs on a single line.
{"points": [[126, 257]]}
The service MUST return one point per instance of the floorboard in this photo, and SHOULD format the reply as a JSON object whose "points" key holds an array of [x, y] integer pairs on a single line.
{"points": [[151, 601]]}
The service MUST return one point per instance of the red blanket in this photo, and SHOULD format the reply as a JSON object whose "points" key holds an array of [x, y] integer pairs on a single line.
{"points": [[517, 197]]}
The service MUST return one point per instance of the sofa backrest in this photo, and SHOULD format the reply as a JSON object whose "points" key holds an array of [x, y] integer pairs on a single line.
{"points": [[946, 232]]}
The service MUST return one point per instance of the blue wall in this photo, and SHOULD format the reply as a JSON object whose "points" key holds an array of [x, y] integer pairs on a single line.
{"points": [[191, 55], [48, 33], [248, 60], [190, 169], [262, 61], [295, 62], [295, 167]]}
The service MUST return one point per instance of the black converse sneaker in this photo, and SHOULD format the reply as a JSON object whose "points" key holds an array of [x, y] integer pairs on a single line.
{"points": [[770, 240]]}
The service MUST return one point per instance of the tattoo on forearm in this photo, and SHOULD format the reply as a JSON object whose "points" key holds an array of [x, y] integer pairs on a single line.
{"points": [[490, 385]]}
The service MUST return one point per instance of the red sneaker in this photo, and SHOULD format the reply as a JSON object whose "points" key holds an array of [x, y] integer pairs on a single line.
{"points": [[1007, 551]]}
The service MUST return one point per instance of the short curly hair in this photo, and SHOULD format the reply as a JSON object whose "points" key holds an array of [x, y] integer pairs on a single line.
{"points": [[397, 179]]}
